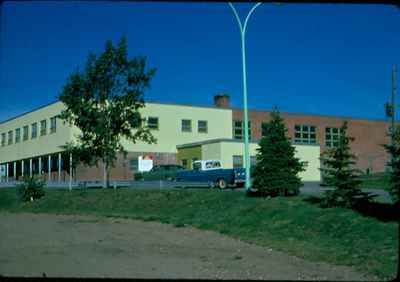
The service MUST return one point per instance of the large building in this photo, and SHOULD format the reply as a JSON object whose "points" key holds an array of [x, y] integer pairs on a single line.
{"points": [[31, 142]]}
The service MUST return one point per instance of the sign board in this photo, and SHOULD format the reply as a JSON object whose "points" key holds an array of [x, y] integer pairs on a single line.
{"points": [[145, 163]]}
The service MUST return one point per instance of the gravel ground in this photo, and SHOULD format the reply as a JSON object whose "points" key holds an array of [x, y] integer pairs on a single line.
{"points": [[86, 246]]}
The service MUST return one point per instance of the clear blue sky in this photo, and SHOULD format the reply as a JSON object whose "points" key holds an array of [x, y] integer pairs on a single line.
{"points": [[323, 59]]}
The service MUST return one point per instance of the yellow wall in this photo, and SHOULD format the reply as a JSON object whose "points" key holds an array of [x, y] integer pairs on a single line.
{"points": [[188, 154], [225, 151], [170, 135], [41, 145], [311, 155], [230, 149], [212, 151]]}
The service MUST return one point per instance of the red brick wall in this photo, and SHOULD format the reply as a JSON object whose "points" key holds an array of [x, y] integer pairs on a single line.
{"points": [[121, 170], [368, 134]]}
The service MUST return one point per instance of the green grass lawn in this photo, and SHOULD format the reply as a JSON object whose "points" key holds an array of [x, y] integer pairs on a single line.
{"points": [[292, 225], [376, 180]]}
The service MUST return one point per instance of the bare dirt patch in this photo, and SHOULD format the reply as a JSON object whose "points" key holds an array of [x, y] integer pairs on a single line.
{"points": [[88, 246]]}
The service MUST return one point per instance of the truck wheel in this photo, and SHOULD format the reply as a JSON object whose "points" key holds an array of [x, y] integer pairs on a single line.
{"points": [[221, 183]]}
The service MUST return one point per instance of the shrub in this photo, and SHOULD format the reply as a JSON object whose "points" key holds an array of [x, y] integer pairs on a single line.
{"points": [[30, 189]]}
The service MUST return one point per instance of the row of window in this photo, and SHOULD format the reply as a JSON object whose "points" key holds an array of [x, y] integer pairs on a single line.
{"points": [[186, 125], [303, 134], [25, 132]]}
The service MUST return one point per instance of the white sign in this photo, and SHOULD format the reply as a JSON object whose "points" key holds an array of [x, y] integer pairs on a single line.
{"points": [[144, 163]]}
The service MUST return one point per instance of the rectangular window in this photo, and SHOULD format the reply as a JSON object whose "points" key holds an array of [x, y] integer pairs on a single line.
{"points": [[184, 163], [53, 124], [17, 135], [263, 129], [237, 161], [34, 130], [43, 127], [3, 139], [10, 137], [152, 122], [25, 132], [305, 134], [186, 125], [332, 136], [238, 130], [202, 126]]}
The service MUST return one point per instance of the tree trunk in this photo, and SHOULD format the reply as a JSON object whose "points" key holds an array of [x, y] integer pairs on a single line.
{"points": [[104, 174], [108, 172]]}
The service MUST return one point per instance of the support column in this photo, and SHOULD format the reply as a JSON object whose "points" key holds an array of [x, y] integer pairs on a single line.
{"points": [[40, 166], [30, 167], [49, 168], [22, 168], [15, 171], [59, 167], [70, 171], [7, 172]]}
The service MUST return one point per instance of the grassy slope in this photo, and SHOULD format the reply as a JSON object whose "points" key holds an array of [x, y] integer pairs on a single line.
{"points": [[337, 236]]}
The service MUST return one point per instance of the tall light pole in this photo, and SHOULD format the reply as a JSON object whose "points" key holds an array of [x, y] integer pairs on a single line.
{"points": [[246, 122]]}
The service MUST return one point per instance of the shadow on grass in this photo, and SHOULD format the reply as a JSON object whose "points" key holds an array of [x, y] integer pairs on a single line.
{"points": [[384, 212]]}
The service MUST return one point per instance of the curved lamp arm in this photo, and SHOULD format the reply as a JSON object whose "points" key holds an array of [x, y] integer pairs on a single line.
{"points": [[249, 14], [243, 28]]}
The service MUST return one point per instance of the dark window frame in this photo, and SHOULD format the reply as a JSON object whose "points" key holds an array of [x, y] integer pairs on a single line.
{"points": [[303, 134], [25, 132], [153, 125], [10, 137], [202, 128], [53, 124], [33, 130], [43, 127], [17, 135], [186, 127]]}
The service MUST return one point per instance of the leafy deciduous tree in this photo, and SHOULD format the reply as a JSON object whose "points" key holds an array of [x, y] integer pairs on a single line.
{"points": [[103, 101]]}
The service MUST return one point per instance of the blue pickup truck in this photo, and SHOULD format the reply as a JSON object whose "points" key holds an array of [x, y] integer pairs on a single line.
{"points": [[212, 173]]}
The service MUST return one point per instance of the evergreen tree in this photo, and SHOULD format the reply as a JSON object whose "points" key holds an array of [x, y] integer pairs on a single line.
{"points": [[394, 150], [277, 168], [339, 172], [103, 101]]}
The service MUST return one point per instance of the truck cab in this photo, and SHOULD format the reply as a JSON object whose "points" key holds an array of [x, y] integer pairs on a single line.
{"points": [[206, 165]]}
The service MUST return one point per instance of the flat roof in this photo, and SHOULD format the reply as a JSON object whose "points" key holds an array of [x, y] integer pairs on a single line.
{"points": [[214, 107]]}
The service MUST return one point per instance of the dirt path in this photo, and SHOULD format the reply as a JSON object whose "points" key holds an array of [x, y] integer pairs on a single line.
{"points": [[87, 246]]}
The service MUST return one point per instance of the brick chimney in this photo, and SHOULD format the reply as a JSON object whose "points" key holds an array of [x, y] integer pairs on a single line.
{"points": [[222, 101]]}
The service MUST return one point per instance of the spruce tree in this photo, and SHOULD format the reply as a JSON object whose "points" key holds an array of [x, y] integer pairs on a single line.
{"points": [[394, 150], [340, 173], [277, 168]]}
